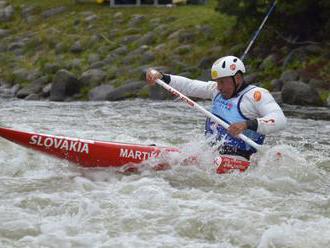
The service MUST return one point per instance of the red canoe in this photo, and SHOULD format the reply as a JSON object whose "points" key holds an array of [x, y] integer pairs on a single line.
{"points": [[90, 153]]}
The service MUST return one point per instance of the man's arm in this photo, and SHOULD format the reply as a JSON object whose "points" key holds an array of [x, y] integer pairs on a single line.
{"points": [[193, 88], [265, 114]]}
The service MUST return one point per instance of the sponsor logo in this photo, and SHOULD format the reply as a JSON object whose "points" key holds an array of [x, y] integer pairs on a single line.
{"points": [[62, 143], [257, 96], [225, 104], [232, 67], [136, 154], [270, 121], [214, 74], [229, 106]]}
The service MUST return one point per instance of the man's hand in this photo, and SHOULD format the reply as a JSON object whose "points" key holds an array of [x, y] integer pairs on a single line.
{"points": [[152, 75], [237, 128]]}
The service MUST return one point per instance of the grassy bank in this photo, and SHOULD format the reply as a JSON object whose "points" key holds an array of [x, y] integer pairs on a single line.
{"points": [[181, 37], [69, 26]]}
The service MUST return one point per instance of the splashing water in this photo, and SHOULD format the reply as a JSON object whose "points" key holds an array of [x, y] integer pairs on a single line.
{"points": [[280, 201]]}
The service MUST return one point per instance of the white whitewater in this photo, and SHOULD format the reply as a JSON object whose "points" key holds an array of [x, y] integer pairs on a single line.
{"points": [[282, 201]]}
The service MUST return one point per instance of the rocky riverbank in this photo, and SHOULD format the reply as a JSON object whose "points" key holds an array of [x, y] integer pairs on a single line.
{"points": [[88, 52]]}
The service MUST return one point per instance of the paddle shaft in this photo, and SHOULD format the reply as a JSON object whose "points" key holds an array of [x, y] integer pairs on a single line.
{"points": [[195, 105], [256, 34]]}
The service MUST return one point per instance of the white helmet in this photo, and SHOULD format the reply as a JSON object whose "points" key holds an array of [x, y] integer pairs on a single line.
{"points": [[227, 67]]}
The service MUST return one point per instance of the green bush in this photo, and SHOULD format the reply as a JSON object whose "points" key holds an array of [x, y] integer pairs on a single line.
{"points": [[299, 20]]}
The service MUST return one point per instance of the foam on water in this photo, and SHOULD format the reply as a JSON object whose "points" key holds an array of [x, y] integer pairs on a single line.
{"points": [[281, 201]]}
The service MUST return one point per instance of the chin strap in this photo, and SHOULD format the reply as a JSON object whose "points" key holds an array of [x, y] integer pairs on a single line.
{"points": [[235, 87]]}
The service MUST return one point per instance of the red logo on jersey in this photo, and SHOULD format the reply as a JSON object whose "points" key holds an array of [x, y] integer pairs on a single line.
{"points": [[270, 121], [257, 96]]}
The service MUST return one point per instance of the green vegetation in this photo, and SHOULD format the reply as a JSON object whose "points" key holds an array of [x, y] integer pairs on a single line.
{"points": [[53, 37], [205, 31]]}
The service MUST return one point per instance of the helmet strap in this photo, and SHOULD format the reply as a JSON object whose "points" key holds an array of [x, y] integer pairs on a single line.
{"points": [[235, 87]]}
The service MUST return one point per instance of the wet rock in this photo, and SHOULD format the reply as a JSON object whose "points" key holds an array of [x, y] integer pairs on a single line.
{"points": [[16, 45], [184, 49], [4, 33], [76, 47], [73, 64], [94, 39], [6, 13], [97, 65], [207, 62], [91, 18], [93, 58], [205, 30], [126, 91], [7, 92], [130, 39], [318, 83], [185, 74], [175, 35], [52, 12], [130, 31], [51, 68], [76, 22], [176, 65], [141, 53], [86, 13], [299, 93], [268, 62], [23, 75], [64, 85], [251, 78], [205, 75], [34, 88], [162, 31], [289, 75], [136, 20], [22, 93], [170, 19], [276, 84], [60, 48], [100, 93], [32, 97], [158, 93], [155, 22], [46, 90], [147, 39], [120, 51], [160, 49], [148, 57], [14, 89], [3, 47], [236, 49], [93, 77], [27, 11], [187, 36], [118, 15], [300, 54], [3, 3], [31, 19], [307, 112]]}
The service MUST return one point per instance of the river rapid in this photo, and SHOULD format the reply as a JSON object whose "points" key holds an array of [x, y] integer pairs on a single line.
{"points": [[46, 202]]}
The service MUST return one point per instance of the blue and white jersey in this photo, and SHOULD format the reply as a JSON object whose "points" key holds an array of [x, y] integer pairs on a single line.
{"points": [[229, 111]]}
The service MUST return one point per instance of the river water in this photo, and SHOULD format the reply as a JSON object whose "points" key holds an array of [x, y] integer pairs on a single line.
{"points": [[46, 202]]}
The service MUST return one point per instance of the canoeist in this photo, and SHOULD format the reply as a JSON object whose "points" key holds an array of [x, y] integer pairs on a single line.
{"points": [[248, 109]]}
